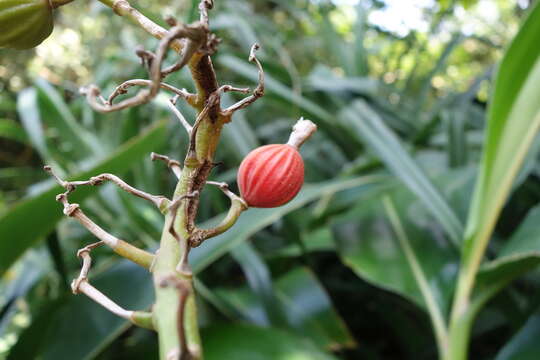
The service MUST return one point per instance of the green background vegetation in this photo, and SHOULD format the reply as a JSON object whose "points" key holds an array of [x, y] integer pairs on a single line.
{"points": [[402, 115]]}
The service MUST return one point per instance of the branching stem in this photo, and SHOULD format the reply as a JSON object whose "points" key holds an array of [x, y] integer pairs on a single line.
{"points": [[178, 336], [82, 285]]}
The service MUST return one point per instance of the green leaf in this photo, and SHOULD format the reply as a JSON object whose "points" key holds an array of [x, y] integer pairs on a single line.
{"points": [[254, 220], [298, 303], [320, 239], [513, 122], [42, 212], [387, 146], [521, 253], [28, 110], [244, 342], [322, 78], [10, 129], [524, 345], [309, 309], [57, 114], [239, 136], [74, 327], [526, 238], [433, 307], [367, 243], [259, 279], [28, 271]]}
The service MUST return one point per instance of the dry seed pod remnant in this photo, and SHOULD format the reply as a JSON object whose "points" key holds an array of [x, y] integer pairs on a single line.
{"points": [[270, 176]]}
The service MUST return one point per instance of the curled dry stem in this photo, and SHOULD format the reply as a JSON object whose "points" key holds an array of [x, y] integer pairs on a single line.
{"points": [[196, 35], [179, 93], [158, 200], [119, 246], [257, 93], [82, 285]]}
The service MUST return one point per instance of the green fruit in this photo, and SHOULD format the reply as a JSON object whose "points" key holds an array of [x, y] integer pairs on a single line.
{"points": [[24, 24]]}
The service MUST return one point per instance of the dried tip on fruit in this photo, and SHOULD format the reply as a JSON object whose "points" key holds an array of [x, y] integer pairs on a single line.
{"points": [[302, 130]]}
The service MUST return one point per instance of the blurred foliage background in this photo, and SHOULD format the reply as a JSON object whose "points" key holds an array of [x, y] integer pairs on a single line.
{"points": [[399, 91]]}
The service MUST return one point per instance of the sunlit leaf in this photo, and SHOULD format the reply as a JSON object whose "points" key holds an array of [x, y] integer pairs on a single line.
{"points": [[513, 121]]}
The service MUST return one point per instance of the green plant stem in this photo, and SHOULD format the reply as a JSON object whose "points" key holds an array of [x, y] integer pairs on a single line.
{"points": [[437, 319], [460, 329], [459, 335], [196, 169], [143, 319]]}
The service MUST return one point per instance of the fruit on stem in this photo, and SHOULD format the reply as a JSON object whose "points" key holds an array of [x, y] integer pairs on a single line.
{"points": [[272, 175], [24, 24]]}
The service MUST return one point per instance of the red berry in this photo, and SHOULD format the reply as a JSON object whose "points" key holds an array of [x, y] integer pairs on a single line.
{"points": [[271, 175]]}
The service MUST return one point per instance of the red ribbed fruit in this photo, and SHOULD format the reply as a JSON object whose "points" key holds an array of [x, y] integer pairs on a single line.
{"points": [[271, 175]]}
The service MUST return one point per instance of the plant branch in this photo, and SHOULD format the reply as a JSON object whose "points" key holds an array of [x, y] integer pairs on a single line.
{"points": [[123, 8], [257, 93], [238, 205], [184, 290], [122, 89], [81, 285], [179, 116], [158, 200], [179, 228], [121, 247], [197, 36], [183, 266], [174, 165]]}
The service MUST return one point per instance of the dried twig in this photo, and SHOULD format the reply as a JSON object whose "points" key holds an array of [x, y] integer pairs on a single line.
{"points": [[158, 200], [119, 246], [82, 285], [179, 116], [174, 165], [196, 34], [122, 89], [179, 231], [257, 93]]}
